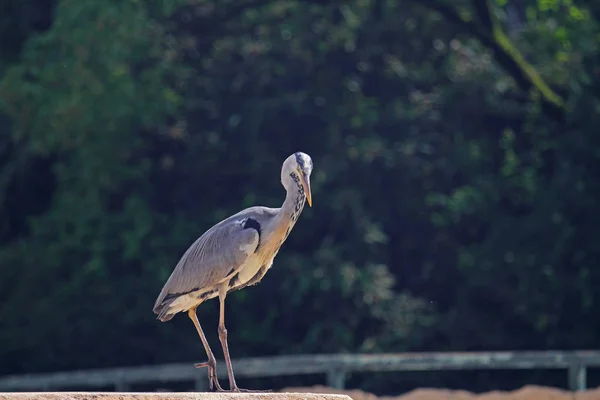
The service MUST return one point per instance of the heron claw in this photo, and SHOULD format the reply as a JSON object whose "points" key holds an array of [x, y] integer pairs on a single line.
{"points": [[213, 381]]}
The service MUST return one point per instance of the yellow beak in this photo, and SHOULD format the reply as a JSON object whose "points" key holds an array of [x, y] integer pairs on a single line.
{"points": [[306, 186]]}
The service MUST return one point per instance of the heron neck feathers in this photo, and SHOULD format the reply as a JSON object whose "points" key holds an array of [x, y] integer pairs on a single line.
{"points": [[294, 200], [290, 210]]}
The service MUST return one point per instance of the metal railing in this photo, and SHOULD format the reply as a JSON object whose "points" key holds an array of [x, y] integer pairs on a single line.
{"points": [[336, 367]]}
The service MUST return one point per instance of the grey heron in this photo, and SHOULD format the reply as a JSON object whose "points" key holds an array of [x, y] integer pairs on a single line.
{"points": [[235, 253]]}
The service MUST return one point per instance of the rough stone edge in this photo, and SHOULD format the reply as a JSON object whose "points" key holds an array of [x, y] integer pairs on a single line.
{"points": [[167, 396]]}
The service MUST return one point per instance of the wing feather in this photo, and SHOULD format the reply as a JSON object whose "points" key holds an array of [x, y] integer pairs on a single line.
{"points": [[213, 257]]}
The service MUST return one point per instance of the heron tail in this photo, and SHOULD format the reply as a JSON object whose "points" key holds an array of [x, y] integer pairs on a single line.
{"points": [[164, 310]]}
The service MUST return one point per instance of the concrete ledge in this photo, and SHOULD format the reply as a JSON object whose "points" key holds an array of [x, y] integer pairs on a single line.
{"points": [[168, 396]]}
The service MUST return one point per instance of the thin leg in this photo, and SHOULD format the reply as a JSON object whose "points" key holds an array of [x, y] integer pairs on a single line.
{"points": [[223, 339], [211, 364]]}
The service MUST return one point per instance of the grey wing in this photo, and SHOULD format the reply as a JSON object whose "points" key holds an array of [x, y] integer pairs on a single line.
{"points": [[213, 257]]}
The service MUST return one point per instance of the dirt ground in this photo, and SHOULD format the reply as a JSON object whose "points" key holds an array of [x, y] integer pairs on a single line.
{"points": [[525, 393]]}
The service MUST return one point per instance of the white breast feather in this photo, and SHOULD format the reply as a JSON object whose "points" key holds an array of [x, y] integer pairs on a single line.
{"points": [[248, 248], [249, 269]]}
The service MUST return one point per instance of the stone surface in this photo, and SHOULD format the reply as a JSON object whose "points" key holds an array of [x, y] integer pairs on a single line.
{"points": [[168, 396], [529, 392]]}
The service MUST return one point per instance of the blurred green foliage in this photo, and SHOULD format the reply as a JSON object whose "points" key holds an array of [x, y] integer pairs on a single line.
{"points": [[456, 154]]}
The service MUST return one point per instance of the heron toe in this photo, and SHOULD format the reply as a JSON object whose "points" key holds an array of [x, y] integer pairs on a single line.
{"points": [[213, 381]]}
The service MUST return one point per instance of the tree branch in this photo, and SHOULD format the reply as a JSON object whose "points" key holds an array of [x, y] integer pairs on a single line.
{"points": [[488, 31]]}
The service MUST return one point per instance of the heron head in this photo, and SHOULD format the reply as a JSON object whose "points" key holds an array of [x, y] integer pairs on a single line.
{"points": [[300, 165]]}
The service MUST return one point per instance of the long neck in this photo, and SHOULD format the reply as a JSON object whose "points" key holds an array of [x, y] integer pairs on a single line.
{"points": [[293, 204]]}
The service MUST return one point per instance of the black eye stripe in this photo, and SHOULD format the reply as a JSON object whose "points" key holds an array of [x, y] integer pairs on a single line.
{"points": [[300, 160]]}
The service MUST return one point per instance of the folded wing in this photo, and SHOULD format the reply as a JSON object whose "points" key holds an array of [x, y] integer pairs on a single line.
{"points": [[212, 258]]}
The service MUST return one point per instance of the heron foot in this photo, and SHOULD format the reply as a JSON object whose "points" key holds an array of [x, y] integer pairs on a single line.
{"points": [[213, 381], [238, 390]]}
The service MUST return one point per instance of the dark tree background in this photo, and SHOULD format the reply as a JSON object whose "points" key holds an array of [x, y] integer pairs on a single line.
{"points": [[456, 199]]}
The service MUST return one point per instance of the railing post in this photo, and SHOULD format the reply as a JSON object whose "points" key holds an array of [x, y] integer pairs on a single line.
{"points": [[577, 377], [336, 378]]}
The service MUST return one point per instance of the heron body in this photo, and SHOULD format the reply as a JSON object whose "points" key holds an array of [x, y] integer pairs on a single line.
{"points": [[258, 248], [235, 253]]}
